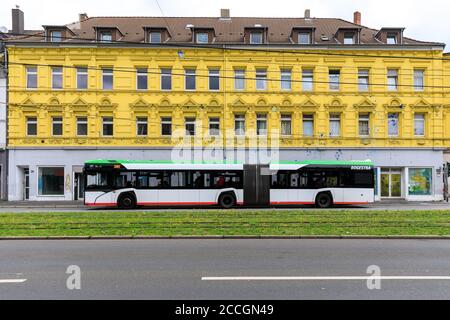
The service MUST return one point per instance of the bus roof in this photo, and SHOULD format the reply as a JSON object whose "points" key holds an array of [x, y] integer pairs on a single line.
{"points": [[290, 165]]}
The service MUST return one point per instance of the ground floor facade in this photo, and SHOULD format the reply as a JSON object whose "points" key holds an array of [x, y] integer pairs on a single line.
{"points": [[57, 174], [3, 174]]}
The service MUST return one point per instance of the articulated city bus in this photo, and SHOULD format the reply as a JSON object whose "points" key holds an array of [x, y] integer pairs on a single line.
{"points": [[128, 184]]}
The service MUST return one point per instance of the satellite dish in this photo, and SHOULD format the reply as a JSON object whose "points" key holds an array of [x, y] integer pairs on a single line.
{"points": [[3, 29]]}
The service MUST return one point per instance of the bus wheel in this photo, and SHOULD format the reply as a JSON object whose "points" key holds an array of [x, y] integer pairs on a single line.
{"points": [[324, 200], [127, 201], [227, 201]]}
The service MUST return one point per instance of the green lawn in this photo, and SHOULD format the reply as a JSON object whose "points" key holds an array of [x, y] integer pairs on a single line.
{"points": [[227, 223]]}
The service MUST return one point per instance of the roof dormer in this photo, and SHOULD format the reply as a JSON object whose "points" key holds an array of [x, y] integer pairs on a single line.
{"points": [[107, 34], [203, 35], [391, 36], [303, 35], [57, 33], [256, 34], [348, 35], [156, 34]]}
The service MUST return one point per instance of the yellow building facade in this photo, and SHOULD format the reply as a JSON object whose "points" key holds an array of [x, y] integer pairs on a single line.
{"points": [[389, 104]]}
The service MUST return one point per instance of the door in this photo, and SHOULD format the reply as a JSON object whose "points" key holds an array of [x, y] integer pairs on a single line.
{"points": [[256, 185], [78, 186], [26, 184], [391, 183]]}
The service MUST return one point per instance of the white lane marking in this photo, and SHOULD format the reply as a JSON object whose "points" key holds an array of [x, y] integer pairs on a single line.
{"points": [[326, 278], [12, 280]]}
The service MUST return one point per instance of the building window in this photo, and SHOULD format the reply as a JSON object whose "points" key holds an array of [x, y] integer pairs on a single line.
{"points": [[286, 79], [261, 124], [391, 38], [189, 126], [419, 124], [31, 77], [51, 181], [154, 37], [308, 125], [106, 36], [82, 78], [142, 79], [364, 124], [55, 36], [392, 79], [31, 126], [141, 126], [239, 124], [307, 80], [261, 79], [57, 126], [189, 79], [82, 126], [201, 37], [393, 124], [363, 80], [335, 125], [214, 81], [349, 38], [419, 80], [286, 125], [239, 79], [166, 126], [57, 78], [304, 38], [166, 79], [256, 38], [420, 181], [108, 126], [107, 79], [334, 80], [214, 126]]}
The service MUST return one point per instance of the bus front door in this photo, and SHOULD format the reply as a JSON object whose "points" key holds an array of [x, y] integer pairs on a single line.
{"points": [[256, 185]]}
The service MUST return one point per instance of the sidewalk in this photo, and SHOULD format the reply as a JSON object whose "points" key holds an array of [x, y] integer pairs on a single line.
{"points": [[41, 204]]}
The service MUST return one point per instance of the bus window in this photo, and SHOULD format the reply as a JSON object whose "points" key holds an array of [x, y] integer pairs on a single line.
{"points": [[125, 179], [363, 179], [316, 180], [97, 180]]}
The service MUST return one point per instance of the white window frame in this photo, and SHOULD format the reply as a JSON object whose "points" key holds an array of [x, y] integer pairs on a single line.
{"points": [[239, 118], [53, 38], [111, 122], [105, 33], [286, 73], [392, 75], [164, 74], [139, 121], [261, 78], [107, 72], [30, 72], [166, 121], [306, 75], [190, 121], [214, 121], [82, 71], [259, 33], [31, 122], [286, 118], [57, 74], [213, 73], [198, 35], [423, 121], [364, 117], [333, 85], [364, 74], [154, 33], [391, 38], [141, 73], [261, 118], [308, 36], [349, 40], [58, 122], [419, 86], [190, 72], [308, 118], [80, 120], [333, 119], [397, 133], [239, 75]]}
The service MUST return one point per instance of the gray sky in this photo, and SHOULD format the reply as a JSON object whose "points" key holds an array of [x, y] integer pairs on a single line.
{"points": [[424, 20]]}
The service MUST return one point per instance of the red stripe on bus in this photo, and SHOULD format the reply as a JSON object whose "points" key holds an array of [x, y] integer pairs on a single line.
{"points": [[289, 202], [175, 203], [101, 204]]}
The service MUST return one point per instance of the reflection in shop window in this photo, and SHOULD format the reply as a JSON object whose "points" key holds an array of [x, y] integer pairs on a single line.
{"points": [[51, 181], [420, 181]]}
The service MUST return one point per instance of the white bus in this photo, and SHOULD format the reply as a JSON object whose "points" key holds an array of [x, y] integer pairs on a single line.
{"points": [[128, 184]]}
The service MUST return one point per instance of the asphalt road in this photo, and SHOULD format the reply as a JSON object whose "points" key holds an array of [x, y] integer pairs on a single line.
{"points": [[173, 269]]}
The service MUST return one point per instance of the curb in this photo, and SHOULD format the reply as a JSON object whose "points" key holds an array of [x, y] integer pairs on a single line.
{"points": [[229, 238]]}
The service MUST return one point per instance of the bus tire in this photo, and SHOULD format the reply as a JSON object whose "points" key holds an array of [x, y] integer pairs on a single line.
{"points": [[227, 200], [127, 201], [324, 200]]}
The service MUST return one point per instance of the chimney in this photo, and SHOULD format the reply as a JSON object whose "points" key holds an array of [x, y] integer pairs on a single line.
{"points": [[307, 13], [82, 16], [18, 26], [357, 18], [225, 14]]}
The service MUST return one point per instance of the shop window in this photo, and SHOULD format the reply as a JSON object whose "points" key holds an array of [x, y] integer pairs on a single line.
{"points": [[51, 181], [420, 181]]}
